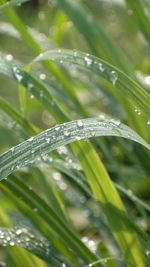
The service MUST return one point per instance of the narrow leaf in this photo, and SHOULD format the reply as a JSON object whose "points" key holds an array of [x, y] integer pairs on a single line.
{"points": [[24, 154]]}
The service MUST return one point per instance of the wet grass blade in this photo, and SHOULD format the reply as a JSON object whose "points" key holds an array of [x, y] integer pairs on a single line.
{"points": [[100, 44], [110, 73], [63, 134], [26, 238], [93, 168], [46, 220]]}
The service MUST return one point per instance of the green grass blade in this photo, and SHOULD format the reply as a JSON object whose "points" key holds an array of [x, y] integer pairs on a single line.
{"points": [[94, 180], [26, 238], [9, 110], [50, 219], [100, 44], [140, 16], [116, 77], [60, 135]]}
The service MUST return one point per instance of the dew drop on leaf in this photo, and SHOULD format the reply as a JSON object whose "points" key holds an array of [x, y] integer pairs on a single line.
{"points": [[115, 122], [42, 76], [101, 67], [113, 77], [66, 133], [30, 139], [88, 60], [30, 86], [79, 123], [17, 73], [148, 253], [9, 57]]}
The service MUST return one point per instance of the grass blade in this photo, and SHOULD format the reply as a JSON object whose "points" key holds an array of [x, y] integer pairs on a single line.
{"points": [[140, 16], [116, 77], [63, 134], [26, 238]]}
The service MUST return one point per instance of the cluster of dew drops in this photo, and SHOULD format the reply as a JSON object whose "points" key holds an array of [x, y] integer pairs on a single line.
{"points": [[113, 76], [139, 113], [88, 61], [23, 237]]}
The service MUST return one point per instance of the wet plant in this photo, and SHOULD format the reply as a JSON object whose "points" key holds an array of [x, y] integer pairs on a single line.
{"points": [[74, 133]]}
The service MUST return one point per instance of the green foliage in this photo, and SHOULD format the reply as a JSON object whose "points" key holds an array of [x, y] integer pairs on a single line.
{"points": [[73, 193]]}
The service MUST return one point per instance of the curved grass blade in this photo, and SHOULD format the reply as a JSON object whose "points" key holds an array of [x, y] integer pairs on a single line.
{"points": [[24, 154], [10, 4], [99, 43], [120, 80], [26, 238]]}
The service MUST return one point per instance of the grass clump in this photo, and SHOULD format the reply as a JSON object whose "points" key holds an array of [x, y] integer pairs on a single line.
{"points": [[73, 193]]}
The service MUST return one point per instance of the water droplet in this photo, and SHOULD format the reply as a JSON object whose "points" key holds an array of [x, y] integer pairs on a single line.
{"points": [[30, 139], [116, 122], [12, 149], [88, 60], [78, 138], [12, 243], [18, 231], [101, 67], [17, 74], [47, 140], [30, 86], [57, 128], [93, 133], [42, 76], [79, 123], [148, 253], [113, 77], [9, 57], [138, 111], [66, 133], [147, 80], [31, 96], [41, 55]]}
